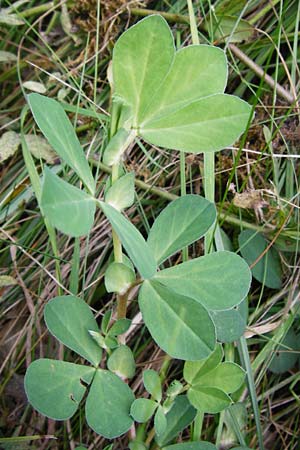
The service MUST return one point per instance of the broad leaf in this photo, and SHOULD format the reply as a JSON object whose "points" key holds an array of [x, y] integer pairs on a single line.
{"points": [[193, 370], [55, 388], [227, 377], [68, 208], [286, 354], [121, 362], [178, 324], [152, 383], [108, 405], [208, 399], [118, 278], [231, 323], [69, 319], [179, 417], [141, 59], [268, 269], [160, 421], [181, 223], [56, 127], [218, 281], [201, 445], [132, 240], [121, 193], [208, 124], [142, 409]]}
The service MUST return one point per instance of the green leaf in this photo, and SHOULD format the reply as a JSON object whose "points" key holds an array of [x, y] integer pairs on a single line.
{"points": [[211, 280], [132, 240], [141, 59], [231, 323], [55, 388], [160, 421], [227, 377], [286, 354], [69, 319], [105, 321], [178, 324], [152, 384], [58, 130], [179, 417], [208, 399], [118, 278], [109, 398], [197, 71], [229, 28], [121, 362], [142, 409], [68, 208], [119, 327], [201, 445], [121, 193], [182, 222], [193, 370], [205, 125], [117, 146], [268, 269]]}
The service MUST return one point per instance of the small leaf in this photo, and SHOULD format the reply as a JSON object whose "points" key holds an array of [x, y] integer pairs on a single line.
{"points": [[119, 327], [178, 324], [218, 281], [182, 222], [286, 354], [54, 388], [152, 384], [231, 323], [58, 130], [179, 417], [117, 146], [7, 56], [109, 397], [35, 86], [7, 280], [69, 319], [10, 19], [227, 377], [122, 362], [105, 321], [9, 144], [40, 148], [208, 399], [160, 421], [193, 370], [121, 193], [201, 445], [142, 409], [268, 269], [174, 389], [118, 278], [68, 208], [132, 240], [229, 28]]}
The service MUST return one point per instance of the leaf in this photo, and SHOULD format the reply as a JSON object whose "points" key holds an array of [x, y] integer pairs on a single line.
{"points": [[132, 240], [152, 384], [205, 125], [7, 56], [208, 399], [35, 86], [182, 222], [68, 208], [10, 19], [121, 362], [142, 409], [141, 59], [286, 354], [201, 445], [119, 327], [7, 280], [40, 148], [106, 321], [231, 323], [160, 421], [109, 397], [178, 324], [193, 370], [69, 319], [218, 281], [268, 269], [197, 71], [54, 388], [58, 130], [179, 417], [9, 144], [121, 193], [117, 145], [118, 278], [227, 377], [229, 28]]}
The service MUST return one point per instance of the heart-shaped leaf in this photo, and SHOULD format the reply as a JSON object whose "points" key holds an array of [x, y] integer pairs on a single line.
{"points": [[134, 243], [219, 280], [68, 208], [69, 319], [227, 377], [55, 388], [179, 325], [181, 223], [109, 398], [58, 130]]}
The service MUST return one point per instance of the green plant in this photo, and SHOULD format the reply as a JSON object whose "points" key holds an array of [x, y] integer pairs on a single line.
{"points": [[175, 100]]}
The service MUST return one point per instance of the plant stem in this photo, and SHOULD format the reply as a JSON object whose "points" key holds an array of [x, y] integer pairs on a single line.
{"points": [[209, 189], [198, 422]]}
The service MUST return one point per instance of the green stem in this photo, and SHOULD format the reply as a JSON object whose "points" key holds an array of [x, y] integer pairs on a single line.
{"points": [[198, 423], [209, 189]]}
